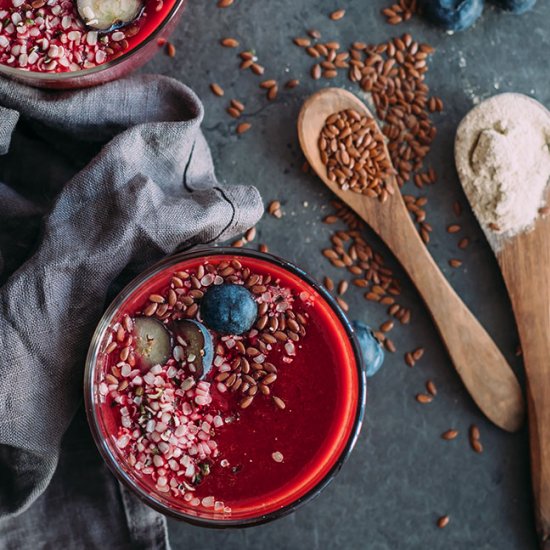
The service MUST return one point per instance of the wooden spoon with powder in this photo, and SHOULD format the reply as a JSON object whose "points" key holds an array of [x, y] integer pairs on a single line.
{"points": [[503, 160]]}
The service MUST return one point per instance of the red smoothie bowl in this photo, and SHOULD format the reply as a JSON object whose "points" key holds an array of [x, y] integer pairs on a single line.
{"points": [[45, 44], [258, 433]]}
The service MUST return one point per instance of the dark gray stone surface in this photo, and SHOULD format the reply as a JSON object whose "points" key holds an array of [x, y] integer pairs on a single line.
{"points": [[401, 476]]}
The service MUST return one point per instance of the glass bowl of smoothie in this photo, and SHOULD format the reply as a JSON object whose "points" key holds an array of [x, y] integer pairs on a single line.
{"points": [[225, 387], [80, 43]]}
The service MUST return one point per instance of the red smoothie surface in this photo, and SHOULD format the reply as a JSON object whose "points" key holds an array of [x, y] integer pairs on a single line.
{"points": [[266, 457]]}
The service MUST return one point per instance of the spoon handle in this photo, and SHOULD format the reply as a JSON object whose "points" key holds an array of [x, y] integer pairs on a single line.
{"points": [[525, 263], [480, 364]]}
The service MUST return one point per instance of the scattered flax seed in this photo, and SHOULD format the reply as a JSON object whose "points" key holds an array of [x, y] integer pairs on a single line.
{"points": [[161, 42], [342, 287], [233, 112], [217, 89], [330, 219], [250, 234], [343, 304], [477, 446], [268, 84], [454, 228], [225, 3], [303, 42], [418, 353], [170, 49], [400, 11], [274, 208], [430, 386], [449, 434], [389, 345], [229, 42], [314, 33], [409, 360], [463, 243], [237, 105], [544, 210], [424, 398], [457, 208], [337, 15], [263, 248], [243, 127], [475, 436], [494, 227], [257, 69], [277, 456], [292, 83], [272, 93], [386, 327], [443, 521], [238, 243], [329, 284], [455, 263], [316, 72]]}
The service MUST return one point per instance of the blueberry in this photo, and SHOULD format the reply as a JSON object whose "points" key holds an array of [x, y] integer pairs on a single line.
{"points": [[199, 349], [515, 6], [229, 309], [371, 349], [452, 15], [153, 342]]}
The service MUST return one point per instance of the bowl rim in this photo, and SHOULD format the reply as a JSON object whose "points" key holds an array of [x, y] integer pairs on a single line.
{"points": [[112, 462], [21, 74]]}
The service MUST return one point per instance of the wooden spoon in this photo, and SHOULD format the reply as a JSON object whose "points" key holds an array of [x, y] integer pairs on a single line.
{"points": [[478, 361], [525, 263]]}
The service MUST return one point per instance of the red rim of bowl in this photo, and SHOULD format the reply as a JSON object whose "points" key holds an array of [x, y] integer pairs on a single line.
{"points": [[112, 461]]}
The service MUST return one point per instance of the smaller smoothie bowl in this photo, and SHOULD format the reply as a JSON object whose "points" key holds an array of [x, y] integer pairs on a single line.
{"points": [[79, 43], [225, 387]]}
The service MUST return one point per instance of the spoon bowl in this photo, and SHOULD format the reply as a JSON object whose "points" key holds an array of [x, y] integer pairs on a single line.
{"points": [[481, 366]]}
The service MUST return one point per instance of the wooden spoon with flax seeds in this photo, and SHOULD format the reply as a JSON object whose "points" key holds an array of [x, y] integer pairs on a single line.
{"points": [[480, 364]]}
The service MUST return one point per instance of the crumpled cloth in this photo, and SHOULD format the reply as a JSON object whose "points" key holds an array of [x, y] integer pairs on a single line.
{"points": [[96, 183]]}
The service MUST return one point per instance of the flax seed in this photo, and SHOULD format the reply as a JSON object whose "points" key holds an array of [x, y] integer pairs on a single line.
{"points": [[337, 15], [449, 434], [229, 42], [443, 521], [217, 90], [424, 398], [430, 386], [243, 127]]}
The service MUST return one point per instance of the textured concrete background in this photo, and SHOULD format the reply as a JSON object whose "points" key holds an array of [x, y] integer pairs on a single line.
{"points": [[401, 476]]}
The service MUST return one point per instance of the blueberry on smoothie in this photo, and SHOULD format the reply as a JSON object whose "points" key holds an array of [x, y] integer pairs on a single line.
{"points": [[193, 345], [371, 349], [229, 309], [153, 342], [452, 15], [515, 6]]}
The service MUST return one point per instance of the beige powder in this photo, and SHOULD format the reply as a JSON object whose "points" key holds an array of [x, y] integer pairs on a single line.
{"points": [[503, 160]]}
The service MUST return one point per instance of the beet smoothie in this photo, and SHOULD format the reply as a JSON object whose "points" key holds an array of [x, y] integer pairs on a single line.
{"points": [[56, 36], [218, 425]]}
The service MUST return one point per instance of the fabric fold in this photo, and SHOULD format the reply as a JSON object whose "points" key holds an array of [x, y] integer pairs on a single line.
{"points": [[150, 190]]}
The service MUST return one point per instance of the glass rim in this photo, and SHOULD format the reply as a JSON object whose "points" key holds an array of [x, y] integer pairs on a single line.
{"points": [[104, 447], [17, 73]]}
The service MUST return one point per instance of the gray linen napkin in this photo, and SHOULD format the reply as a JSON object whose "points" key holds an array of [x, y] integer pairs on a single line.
{"points": [[95, 182]]}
